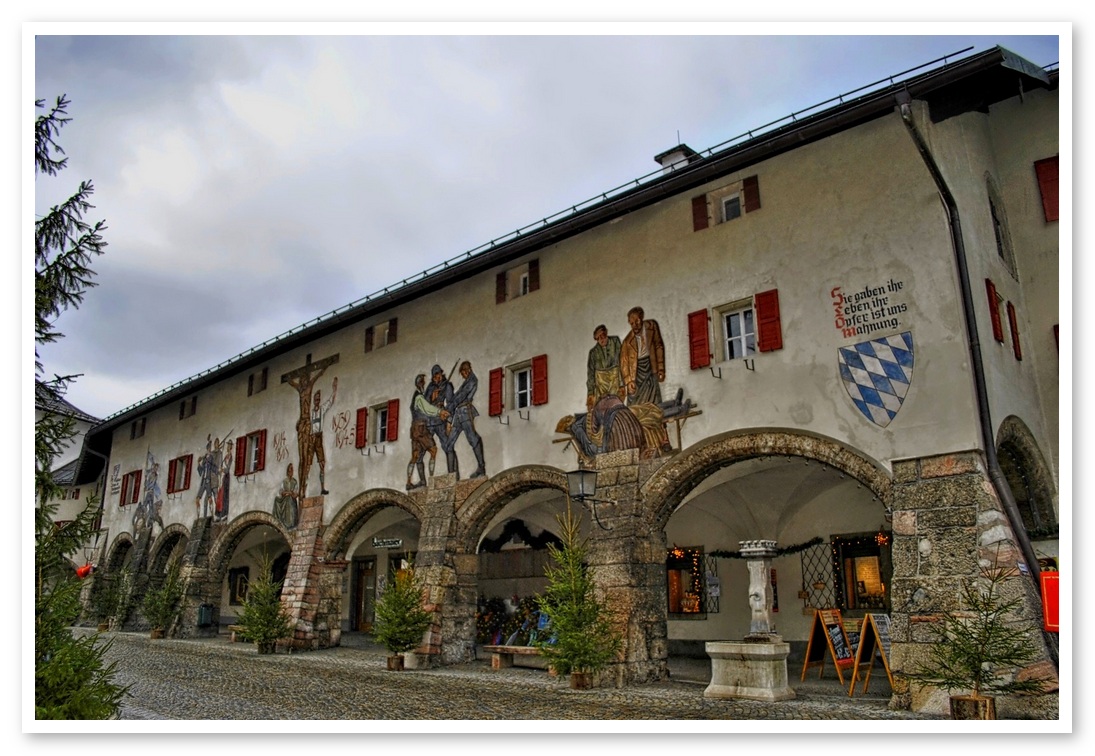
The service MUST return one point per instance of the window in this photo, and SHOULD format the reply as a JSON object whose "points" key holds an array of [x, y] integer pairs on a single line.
{"points": [[725, 203], [131, 485], [863, 567], [691, 582], [1000, 228], [527, 386], [178, 473], [1013, 323], [385, 422], [1047, 173], [187, 407], [517, 282], [746, 326], [251, 453], [381, 334], [75, 494], [136, 429], [739, 335], [256, 382], [994, 310]]}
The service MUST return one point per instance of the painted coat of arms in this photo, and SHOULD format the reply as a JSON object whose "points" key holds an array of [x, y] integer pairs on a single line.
{"points": [[877, 375]]}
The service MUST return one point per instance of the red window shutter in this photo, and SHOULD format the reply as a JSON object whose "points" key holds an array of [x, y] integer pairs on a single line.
{"points": [[1047, 172], [769, 328], [186, 472], [251, 384], [241, 456], [392, 329], [495, 404], [172, 468], [699, 347], [699, 212], [533, 275], [1013, 322], [360, 440], [500, 288], [369, 335], [751, 189], [393, 419], [994, 311], [539, 379], [260, 461], [136, 495]]}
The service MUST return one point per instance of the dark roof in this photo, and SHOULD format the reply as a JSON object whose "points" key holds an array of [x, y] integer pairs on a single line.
{"points": [[958, 85], [48, 401]]}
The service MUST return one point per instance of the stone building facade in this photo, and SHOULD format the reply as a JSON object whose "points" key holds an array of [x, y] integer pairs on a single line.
{"points": [[838, 334]]}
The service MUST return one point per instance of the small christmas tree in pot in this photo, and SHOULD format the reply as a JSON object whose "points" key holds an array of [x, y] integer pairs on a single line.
{"points": [[263, 619], [400, 618], [580, 640], [161, 603], [979, 649]]}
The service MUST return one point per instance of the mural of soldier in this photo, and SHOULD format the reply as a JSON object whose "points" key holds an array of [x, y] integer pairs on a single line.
{"points": [[310, 421], [286, 508], [148, 508], [463, 421], [440, 394], [422, 411], [209, 468], [220, 514]]}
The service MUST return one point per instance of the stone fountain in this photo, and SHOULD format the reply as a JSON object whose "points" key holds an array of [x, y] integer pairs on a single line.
{"points": [[756, 666]]}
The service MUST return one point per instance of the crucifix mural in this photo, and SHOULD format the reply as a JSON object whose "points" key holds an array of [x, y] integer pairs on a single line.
{"points": [[312, 411]]}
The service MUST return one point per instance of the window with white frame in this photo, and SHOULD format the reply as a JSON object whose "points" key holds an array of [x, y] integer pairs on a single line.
{"points": [[518, 386], [726, 203], [131, 484], [738, 330], [522, 387], [731, 207], [380, 423], [250, 453], [178, 473]]}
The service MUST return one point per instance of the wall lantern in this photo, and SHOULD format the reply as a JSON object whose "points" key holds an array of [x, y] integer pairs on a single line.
{"points": [[582, 486]]}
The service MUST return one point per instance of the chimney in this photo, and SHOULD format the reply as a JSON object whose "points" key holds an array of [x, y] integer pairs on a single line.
{"points": [[677, 157]]}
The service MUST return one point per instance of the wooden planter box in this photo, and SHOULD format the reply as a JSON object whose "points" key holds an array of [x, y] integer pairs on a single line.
{"points": [[973, 707]]}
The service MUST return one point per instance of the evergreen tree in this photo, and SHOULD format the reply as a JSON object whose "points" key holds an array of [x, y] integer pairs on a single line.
{"points": [[263, 619], [400, 618], [71, 679], [581, 637]]}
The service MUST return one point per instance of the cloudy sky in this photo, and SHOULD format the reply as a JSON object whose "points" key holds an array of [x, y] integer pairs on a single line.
{"points": [[252, 183]]}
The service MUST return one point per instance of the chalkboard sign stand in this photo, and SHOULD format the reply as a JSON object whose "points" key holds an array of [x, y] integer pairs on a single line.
{"points": [[874, 639], [828, 634]]}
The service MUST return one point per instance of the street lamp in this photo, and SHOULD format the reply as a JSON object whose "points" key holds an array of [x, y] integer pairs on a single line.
{"points": [[582, 486]]}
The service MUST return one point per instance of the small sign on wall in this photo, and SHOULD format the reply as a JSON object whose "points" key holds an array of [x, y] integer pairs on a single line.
{"points": [[387, 543]]}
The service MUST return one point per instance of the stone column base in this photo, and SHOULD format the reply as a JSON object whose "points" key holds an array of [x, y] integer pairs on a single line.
{"points": [[749, 669]]}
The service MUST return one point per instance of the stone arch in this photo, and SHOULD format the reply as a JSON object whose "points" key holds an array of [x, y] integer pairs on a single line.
{"points": [[360, 508], [1028, 475], [120, 548], [473, 515], [667, 487], [225, 546], [164, 545]]}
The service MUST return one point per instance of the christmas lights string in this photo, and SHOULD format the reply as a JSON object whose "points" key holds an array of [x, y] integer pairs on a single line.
{"points": [[778, 552]]}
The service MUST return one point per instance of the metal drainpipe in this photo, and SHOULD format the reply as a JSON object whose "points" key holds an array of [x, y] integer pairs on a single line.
{"points": [[996, 475]]}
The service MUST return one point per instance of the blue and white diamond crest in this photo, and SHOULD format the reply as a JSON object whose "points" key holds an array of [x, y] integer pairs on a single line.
{"points": [[877, 375]]}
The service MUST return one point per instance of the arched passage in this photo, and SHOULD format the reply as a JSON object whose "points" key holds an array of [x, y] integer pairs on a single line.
{"points": [[823, 503], [238, 555], [1031, 484]]}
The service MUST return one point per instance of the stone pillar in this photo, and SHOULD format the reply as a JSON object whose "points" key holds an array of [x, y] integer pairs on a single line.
{"points": [[627, 563], [759, 556], [449, 596], [300, 595], [199, 587], [948, 525]]}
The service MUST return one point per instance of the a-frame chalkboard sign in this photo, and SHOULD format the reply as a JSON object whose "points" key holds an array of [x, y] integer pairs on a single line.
{"points": [[874, 639], [828, 634]]}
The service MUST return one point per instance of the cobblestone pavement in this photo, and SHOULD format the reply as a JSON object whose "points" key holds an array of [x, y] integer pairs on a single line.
{"points": [[215, 679]]}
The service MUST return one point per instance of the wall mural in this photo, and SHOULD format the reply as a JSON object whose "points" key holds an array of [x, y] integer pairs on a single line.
{"points": [[876, 373], [214, 470], [312, 411], [624, 405], [440, 414], [287, 500], [151, 502]]}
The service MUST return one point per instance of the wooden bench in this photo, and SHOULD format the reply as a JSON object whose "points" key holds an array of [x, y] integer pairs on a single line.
{"points": [[502, 656], [237, 632]]}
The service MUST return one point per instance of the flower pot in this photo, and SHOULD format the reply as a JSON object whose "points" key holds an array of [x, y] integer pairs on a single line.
{"points": [[156, 633], [395, 663], [581, 680], [104, 626], [973, 707]]}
